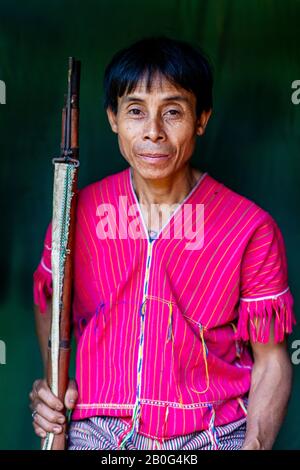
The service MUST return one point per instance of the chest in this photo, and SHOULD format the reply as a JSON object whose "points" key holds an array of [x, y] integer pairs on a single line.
{"points": [[200, 275]]}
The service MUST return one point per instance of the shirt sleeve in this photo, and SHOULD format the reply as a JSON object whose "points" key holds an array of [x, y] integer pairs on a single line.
{"points": [[264, 291], [42, 276]]}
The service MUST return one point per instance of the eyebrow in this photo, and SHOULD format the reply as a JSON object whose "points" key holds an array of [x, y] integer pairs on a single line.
{"points": [[168, 98]]}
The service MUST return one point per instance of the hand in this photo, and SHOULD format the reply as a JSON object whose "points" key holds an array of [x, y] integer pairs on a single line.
{"points": [[254, 444], [48, 408]]}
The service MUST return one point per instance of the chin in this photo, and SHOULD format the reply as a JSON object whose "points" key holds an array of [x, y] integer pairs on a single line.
{"points": [[154, 173]]}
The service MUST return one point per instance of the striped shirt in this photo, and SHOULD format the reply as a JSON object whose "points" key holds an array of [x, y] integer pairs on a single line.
{"points": [[163, 326]]}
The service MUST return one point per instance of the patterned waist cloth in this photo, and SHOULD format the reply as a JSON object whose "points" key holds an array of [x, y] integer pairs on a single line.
{"points": [[104, 433]]}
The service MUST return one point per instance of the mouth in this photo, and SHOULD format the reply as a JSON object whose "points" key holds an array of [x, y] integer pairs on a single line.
{"points": [[154, 157]]}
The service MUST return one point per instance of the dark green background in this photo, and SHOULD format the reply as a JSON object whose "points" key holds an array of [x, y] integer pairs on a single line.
{"points": [[251, 144]]}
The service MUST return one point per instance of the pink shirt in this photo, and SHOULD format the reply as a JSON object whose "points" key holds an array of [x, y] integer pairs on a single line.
{"points": [[163, 330]]}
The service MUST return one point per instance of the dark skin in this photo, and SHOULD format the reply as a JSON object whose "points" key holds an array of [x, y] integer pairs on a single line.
{"points": [[271, 383], [157, 132]]}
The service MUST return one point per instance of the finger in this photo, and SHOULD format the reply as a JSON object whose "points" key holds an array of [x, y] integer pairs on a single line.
{"points": [[71, 394], [32, 397], [46, 425], [38, 430], [36, 385], [44, 394], [48, 413]]}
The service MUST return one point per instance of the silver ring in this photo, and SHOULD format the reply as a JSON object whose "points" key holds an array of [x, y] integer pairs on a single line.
{"points": [[33, 413]]}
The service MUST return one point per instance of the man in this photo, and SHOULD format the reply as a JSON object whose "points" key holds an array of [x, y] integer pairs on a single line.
{"points": [[181, 298]]}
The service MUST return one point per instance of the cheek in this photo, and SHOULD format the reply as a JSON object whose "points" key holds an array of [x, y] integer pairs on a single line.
{"points": [[182, 137], [127, 136], [128, 133]]}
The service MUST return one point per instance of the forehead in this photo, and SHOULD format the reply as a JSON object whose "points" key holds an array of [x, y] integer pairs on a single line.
{"points": [[158, 87]]}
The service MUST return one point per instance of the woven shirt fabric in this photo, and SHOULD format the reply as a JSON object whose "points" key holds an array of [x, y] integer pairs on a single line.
{"points": [[163, 330]]}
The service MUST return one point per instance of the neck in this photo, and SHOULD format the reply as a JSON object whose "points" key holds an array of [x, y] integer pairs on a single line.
{"points": [[169, 190]]}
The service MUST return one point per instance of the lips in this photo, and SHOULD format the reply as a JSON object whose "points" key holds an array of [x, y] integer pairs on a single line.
{"points": [[154, 157]]}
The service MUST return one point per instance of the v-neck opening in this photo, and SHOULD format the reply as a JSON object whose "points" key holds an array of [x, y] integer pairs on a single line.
{"points": [[187, 197]]}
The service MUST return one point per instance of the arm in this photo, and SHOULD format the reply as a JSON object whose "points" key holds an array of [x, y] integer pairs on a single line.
{"points": [[43, 324], [270, 389], [48, 407]]}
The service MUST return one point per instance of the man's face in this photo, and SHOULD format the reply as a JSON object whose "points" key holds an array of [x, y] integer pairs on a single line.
{"points": [[157, 129]]}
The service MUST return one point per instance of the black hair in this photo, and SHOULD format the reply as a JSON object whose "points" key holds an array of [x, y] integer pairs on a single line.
{"points": [[178, 61]]}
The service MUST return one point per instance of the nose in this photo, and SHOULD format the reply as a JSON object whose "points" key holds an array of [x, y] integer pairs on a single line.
{"points": [[153, 129]]}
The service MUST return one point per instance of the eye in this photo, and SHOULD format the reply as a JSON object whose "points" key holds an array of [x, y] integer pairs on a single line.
{"points": [[173, 112], [135, 111]]}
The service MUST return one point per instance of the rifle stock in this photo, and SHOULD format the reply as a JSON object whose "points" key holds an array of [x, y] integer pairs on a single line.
{"points": [[63, 210]]}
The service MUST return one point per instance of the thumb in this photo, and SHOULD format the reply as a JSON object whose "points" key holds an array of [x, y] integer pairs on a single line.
{"points": [[71, 394]]}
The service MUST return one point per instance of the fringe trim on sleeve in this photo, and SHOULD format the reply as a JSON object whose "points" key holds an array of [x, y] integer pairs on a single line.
{"points": [[42, 287], [255, 317]]}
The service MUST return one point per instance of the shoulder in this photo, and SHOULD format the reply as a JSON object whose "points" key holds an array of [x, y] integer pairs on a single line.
{"points": [[102, 189], [245, 209]]}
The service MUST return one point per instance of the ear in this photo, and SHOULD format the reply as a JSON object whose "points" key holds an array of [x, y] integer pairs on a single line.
{"points": [[112, 117], [202, 121]]}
